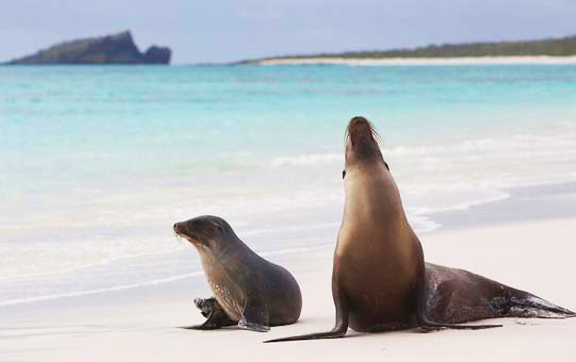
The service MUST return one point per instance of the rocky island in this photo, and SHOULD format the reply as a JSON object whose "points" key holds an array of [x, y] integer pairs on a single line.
{"points": [[111, 49]]}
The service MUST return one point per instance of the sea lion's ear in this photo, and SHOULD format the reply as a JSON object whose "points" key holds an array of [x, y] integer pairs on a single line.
{"points": [[343, 174], [218, 227], [386, 164]]}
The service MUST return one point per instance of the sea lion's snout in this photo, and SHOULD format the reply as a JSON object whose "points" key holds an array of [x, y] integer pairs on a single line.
{"points": [[360, 132], [201, 231], [359, 125], [361, 141], [182, 229], [179, 228]]}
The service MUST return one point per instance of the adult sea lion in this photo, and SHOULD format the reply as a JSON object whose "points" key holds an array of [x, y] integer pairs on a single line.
{"points": [[380, 280], [248, 290]]}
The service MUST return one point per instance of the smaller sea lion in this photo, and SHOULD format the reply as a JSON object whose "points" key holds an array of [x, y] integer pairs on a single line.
{"points": [[248, 290]]}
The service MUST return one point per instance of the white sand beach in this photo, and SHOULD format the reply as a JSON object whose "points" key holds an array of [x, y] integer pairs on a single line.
{"points": [[91, 270], [502, 60], [537, 256]]}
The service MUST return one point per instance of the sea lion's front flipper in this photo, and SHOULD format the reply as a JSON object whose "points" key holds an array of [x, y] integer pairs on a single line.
{"points": [[255, 316], [215, 314], [338, 331], [342, 313], [206, 306]]}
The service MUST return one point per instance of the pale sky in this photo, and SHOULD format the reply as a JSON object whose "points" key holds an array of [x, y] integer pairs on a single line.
{"points": [[231, 30]]}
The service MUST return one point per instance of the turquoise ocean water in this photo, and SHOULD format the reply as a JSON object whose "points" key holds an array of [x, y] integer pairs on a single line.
{"points": [[97, 163]]}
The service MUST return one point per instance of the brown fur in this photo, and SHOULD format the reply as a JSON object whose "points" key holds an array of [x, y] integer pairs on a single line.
{"points": [[380, 280]]}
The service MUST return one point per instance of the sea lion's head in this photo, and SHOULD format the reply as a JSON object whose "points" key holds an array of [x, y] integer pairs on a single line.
{"points": [[362, 144], [206, 233]]}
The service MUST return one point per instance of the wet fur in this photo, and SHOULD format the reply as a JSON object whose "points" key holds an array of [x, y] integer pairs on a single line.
{"points": [[248, 290]]}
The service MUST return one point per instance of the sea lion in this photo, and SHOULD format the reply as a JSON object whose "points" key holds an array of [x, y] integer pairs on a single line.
{"points": [[380, 280], [248, 290]]}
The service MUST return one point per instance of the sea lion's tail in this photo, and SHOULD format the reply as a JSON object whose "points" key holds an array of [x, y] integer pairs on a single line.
{"points": [[525, 305]]}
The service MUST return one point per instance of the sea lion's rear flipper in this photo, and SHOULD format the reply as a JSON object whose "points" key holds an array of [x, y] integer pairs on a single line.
{"points": [[458, 296], [518, 303], [215, 314], [255, 316]]}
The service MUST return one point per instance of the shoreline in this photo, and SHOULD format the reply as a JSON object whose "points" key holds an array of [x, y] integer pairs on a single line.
{"points": [[525, 205], [499, 60]]}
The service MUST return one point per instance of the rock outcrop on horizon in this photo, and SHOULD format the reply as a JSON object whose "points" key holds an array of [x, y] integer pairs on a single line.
{"points": [[111, 49], [157, 55]]}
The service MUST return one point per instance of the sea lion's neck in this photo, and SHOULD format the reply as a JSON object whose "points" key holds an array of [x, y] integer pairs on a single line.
{"points": [[372, 203], [226, 252], [370, 187]]}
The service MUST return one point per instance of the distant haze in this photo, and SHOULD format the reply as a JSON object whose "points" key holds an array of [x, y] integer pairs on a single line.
{"points": [[230, 30]]}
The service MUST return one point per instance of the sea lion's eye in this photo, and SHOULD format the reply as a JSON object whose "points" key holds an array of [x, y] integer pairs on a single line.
{"points": [[343, 174]]}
